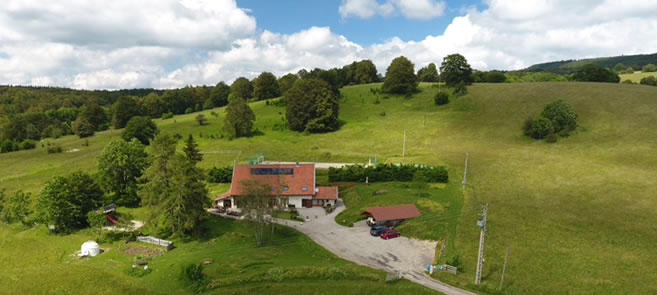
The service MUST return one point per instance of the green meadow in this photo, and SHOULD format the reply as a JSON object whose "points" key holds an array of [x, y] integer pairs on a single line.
{"points": [[577, 215], [636, 76]]}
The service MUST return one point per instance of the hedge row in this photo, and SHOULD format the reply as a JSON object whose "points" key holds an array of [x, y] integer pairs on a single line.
{"points": [[387, 172], [220, 175], [9, 145]]}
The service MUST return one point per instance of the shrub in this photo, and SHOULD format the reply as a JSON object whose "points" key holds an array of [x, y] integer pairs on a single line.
{"points": [[54, 148], [83, 128], [561, 115], [220, 175], [441, 98], [650, 80], [201, 119], [528, 126], [27, 144], [541, 128], [9, 145], [189, 111], [168, 115], [627, 81], [387, 172], [649, 68]]}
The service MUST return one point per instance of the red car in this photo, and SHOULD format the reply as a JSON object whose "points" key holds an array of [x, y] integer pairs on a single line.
{"points": [[388, 234]]}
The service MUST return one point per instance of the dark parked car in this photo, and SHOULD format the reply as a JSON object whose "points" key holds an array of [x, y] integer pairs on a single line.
{"points": [[377, 230], [388, 234]]}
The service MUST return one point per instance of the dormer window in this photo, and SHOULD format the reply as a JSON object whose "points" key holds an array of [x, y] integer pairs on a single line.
{"points": [[304, 189], [285, 188]]}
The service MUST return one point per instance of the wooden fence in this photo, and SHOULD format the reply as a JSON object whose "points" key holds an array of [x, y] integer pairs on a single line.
{"points": [[156, 241]]}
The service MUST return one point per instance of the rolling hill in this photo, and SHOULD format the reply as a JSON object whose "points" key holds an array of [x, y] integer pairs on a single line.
{"points": [[577, 215], [570, 66]]}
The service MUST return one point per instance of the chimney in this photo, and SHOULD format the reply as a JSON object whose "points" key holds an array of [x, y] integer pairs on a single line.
{"points": [[297, 164]]}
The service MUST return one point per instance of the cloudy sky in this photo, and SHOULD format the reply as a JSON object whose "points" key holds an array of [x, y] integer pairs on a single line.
{"points": [[115, 44]]}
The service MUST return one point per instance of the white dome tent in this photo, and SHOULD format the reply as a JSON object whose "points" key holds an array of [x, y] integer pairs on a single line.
{"points": [[90, 248]]}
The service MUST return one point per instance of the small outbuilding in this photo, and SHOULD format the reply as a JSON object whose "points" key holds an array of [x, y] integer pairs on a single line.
{"points": [[90, 248], [390, 215]]}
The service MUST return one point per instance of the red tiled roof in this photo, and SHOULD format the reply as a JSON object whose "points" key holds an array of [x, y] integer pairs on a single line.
{"points": [[223, 196], [392, 212], [301, 182], [326, 193]]}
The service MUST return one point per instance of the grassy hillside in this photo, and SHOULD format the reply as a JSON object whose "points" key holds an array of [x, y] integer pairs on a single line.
{"points": [[570, 66], [35, 262], [578, 215], [636, 77]]}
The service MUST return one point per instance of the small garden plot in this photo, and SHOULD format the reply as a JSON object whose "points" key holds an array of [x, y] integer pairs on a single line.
{"points": [[144, 250]]}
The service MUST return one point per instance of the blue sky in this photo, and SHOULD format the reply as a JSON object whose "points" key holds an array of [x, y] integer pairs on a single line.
{"points": [[290, 16], [173, 43]]}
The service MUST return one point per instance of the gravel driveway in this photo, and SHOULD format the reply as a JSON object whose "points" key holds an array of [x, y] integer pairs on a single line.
{"points": [[408, 256]]}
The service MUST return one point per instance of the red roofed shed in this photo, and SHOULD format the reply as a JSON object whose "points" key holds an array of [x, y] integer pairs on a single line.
{"points": [[390, 214]]}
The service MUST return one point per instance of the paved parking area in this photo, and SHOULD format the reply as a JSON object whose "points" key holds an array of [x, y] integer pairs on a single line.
{"points": [[408, 256]]}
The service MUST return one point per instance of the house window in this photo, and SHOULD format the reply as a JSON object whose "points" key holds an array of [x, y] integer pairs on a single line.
{"points": [[285, 188], [304, 189], [315, 202]]}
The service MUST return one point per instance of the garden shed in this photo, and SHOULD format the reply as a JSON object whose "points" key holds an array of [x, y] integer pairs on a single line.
{"points": [[390, 215]]}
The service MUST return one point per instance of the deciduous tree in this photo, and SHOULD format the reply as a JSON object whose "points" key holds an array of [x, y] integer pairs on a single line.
{"points": [[65, 201], [239, 118], [400, 77], [266, 86], [141, 128], [124, 109], [454, 69], [312, 107], [242, 88], [119, 165]]}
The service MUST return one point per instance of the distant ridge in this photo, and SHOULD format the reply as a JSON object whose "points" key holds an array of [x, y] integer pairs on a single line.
{"points": [[570, 66]]}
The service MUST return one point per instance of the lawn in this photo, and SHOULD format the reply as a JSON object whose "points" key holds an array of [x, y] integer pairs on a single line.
{"points": [[36, 262], [637, 76], [577, 215], [439, 204]]}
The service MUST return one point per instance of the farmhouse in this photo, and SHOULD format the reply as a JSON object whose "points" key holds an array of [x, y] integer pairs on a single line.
{"points": [[292, 186], [390, 215]]}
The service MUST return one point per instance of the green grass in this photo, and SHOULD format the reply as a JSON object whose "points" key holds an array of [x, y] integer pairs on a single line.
{"points": [[36, 262], [637, 76], [577, 215], [438, 204]]}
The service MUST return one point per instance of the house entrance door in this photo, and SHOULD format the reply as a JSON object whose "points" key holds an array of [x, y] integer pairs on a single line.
{"points": [[227, 204]]}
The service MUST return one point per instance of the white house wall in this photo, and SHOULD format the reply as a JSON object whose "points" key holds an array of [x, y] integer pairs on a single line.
{"points": [[296, 200]]}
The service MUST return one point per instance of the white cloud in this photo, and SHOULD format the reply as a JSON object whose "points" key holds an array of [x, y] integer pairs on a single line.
{"points": [[499, 37], [413, 9]]}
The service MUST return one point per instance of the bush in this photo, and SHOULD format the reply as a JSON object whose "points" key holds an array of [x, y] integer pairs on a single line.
{"points": [[387, 172], [650, 80], [441, 98], [220, 175], [649, 68], [627, 81], [83, 128], [561, 115], [528, 127], [9, 145], [168, 115], [541, 128], [54, 148], [189, 111], [27, 144]]}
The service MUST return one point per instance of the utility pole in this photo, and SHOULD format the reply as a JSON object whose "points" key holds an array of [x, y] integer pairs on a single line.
{"points": [[465, 171], [404, 145], [504, 269], [482, 237]]}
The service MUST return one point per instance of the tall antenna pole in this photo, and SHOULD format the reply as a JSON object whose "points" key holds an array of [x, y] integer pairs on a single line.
{"points": [[482, 237], [504, 269]]}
